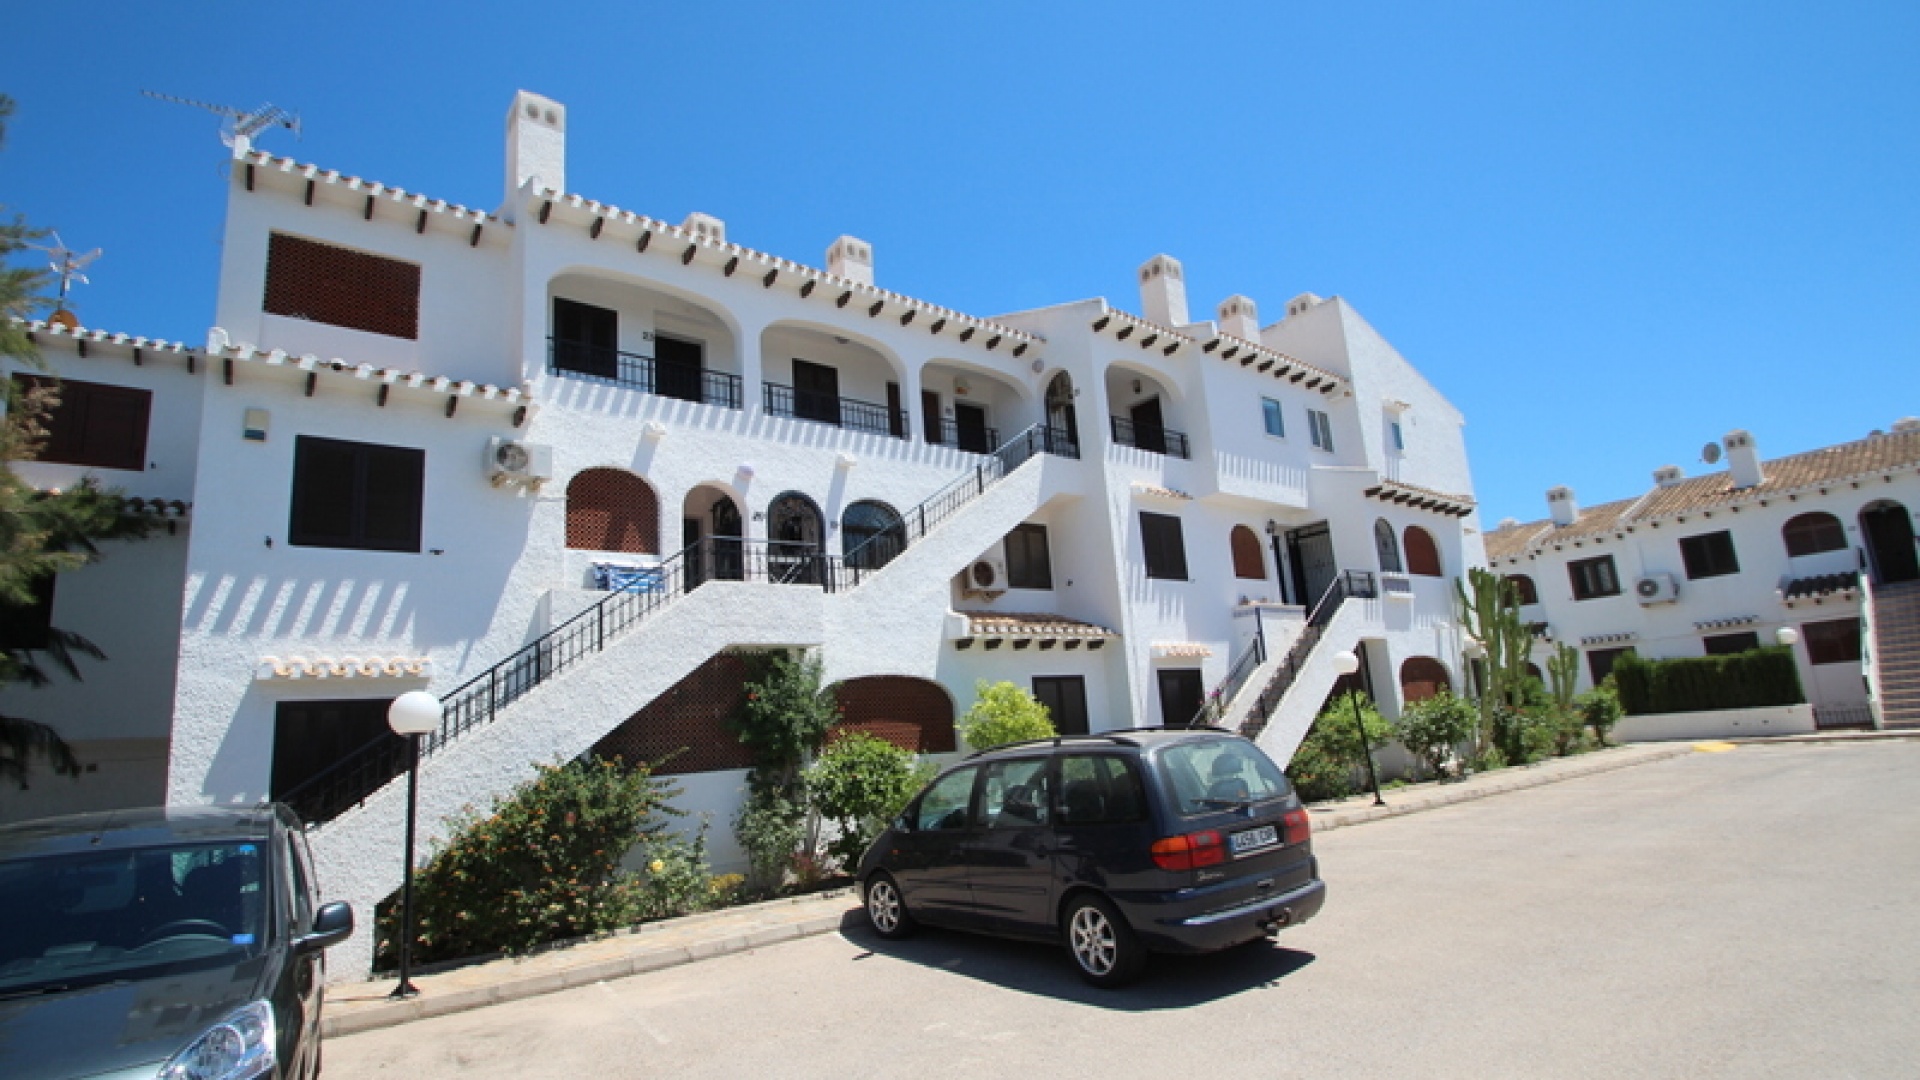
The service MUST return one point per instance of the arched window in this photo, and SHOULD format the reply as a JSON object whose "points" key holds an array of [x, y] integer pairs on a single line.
{"points": [[1811, 534], [1421, 677], [1523, 589], [1387, 545], [612, 510], [871, 534], [793, 540], [1247, 562], [1423, 557]]}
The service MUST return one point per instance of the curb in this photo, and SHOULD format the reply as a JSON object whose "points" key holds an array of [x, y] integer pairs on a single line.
{"points": [[373, 1017]]}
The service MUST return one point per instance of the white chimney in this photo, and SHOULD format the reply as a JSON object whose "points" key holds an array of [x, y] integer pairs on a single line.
{"points": [[1301, 303], [706, 227], [1163, 291], [1239, 317], [852, 258], [536, 143], [1668, 475], [1743, 459], [1906, 425], [1507, 523], [1561, 505]]}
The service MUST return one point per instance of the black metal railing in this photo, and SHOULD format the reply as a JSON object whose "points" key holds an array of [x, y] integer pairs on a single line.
{"points": [[838, 411], [853, 567], [1150, 437], [976, 441], [479, 700], [1352, 583], [1237, 675], [683, 381]]}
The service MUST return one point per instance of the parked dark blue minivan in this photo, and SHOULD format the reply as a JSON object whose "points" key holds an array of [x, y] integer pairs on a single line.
{"points": [[1117, 844]]}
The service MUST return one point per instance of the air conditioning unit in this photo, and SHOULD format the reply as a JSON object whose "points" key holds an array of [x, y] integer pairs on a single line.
{"points": [[986, 577], [521, 463], [1657, 589]]}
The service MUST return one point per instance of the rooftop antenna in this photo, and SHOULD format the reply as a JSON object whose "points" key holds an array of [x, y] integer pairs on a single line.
{"points": [[1710, 453], [67, 263], [241, 126]]}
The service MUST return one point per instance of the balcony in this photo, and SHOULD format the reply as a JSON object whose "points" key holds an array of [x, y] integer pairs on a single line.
{"points": [[642, 373], [838, 411], [1152, 438], [974, 440]]}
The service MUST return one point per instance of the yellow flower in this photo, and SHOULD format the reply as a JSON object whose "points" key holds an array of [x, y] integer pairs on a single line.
{"points": [[656, 866]]}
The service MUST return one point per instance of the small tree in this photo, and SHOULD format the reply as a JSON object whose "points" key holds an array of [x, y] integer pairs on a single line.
{"points": [[1327, 762], [1600, 708], [1433, 729], [859, 783], [1003, 713], [783, 720]]}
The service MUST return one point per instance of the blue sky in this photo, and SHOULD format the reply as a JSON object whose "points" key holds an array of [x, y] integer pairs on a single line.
{"points": [[1609, 233]]}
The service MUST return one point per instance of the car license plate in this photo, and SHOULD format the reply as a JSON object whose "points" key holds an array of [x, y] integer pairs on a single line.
{"points": [[1254, 839]]}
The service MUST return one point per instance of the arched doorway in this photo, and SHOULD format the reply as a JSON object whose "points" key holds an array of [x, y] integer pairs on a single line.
{"points": [[1063, 430], [1421, 677], [710, 536], [793, 540], [871, 535], [1387, 546], [1887, 530]]}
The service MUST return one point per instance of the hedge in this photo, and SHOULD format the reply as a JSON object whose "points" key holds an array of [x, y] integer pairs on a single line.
{"points": [[1753, 679]]}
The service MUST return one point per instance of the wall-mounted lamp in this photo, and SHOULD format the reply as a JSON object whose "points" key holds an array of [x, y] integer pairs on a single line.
{"points": [[254, 427], [1136, 386]]}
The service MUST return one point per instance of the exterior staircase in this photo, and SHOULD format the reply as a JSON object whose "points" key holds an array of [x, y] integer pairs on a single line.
{"points": [[628, 649], [1275, 705], [1896, 653]]}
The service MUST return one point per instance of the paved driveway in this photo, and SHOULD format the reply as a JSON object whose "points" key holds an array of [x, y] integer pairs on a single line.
{"points": [[1744, 914]]}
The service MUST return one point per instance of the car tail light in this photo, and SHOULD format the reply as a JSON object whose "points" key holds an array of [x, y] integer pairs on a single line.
{"points": [[1297, 828], [1190, 852]]}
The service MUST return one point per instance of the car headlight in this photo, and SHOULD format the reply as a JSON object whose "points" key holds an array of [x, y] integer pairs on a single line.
{"points": [[240, 1046]]}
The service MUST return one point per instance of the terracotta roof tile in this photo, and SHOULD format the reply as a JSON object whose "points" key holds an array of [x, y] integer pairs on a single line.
{"points": [[1831, 464], [1020, 624]]}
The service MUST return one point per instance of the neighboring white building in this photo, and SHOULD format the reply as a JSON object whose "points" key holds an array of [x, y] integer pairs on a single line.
{"points": [[422, 440], [1821, 542]]}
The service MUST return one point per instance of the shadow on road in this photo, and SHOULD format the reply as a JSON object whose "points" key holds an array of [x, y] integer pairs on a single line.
{"points": [[1171, 982]]}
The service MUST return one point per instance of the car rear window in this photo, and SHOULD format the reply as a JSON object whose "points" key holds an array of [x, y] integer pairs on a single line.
{"points": [[1220, 774]]}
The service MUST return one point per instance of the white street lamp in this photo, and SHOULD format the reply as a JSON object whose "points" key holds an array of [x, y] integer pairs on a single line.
{"points": [[412, 714], [1787, 636]]}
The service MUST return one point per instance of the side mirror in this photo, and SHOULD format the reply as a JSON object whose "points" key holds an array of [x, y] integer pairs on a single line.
{"points": [[331, 926]]}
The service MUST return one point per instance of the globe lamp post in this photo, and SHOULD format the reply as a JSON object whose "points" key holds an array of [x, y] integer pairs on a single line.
{"points": [[412, 714], [1347, 663]]}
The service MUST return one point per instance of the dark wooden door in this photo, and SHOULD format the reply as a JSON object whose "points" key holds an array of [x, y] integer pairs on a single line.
{"points": [[1181, 693], [816, 392], [1065, 697], [1149, 430], [971, 422], [930, 417], [585, 339], [677, 367], [1890, 543]]}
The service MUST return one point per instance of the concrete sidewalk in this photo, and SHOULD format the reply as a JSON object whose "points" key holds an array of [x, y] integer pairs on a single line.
{"points": [[354, 1007]]}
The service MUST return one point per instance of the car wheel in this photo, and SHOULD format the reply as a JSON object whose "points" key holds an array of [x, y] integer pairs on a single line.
{"points": [[1102, 944], [886, 911]]}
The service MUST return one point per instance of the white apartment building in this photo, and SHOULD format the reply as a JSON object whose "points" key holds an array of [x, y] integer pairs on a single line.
{"points": [[1819, 543], [564, 465]]}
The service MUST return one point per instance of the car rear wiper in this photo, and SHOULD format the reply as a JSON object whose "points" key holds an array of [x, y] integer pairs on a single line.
{"points": [[1229, 804]]}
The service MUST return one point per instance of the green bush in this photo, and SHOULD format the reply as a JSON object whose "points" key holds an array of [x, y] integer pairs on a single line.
{"points": [[773, 829], [542, 866], [1753, 679], [859, 783], [784, 718], [1600, 709], [1328, 763], [674, 878], [1523, 736], [1433, 730], [1004, 713]]}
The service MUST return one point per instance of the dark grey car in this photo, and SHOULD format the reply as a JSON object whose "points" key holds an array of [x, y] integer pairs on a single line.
{"points": [[1164, 840], [183, 944]]}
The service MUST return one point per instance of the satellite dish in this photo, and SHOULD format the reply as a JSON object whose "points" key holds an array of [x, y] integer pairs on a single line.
{"points": [[1710, 453]]}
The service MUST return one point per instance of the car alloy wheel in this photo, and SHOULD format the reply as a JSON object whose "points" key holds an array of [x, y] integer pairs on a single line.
{"points": [[886, 911], [1102, 944]]}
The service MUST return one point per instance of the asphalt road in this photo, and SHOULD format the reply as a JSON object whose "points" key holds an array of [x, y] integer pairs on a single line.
{"points": [[1746, 914]]}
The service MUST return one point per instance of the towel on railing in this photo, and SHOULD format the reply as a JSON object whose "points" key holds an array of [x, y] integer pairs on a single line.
{"points": [[636, 579]]}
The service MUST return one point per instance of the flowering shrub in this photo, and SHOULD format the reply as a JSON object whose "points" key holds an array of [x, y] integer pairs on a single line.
{"points": [[542, 866]]}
